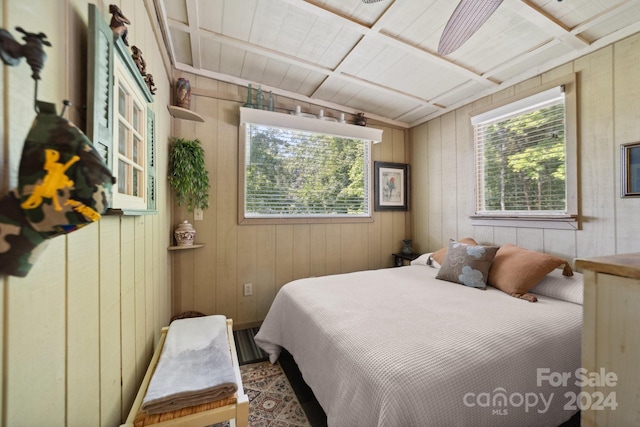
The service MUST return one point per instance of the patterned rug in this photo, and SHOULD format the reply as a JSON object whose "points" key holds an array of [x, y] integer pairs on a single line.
{"points": [[272, 401]]}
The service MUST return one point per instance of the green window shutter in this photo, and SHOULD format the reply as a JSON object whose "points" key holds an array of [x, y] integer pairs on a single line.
{"points": [[151, 160], [100, 84]]}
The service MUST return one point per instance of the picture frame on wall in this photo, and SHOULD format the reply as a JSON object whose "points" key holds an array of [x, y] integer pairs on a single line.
{"points": [[391, 186], [630, 170]]}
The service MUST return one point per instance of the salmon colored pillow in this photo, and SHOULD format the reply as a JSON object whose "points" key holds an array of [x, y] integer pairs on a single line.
{"points": [[516, 270], [440, 254]]}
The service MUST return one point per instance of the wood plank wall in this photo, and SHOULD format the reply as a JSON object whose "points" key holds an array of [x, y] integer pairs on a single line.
{"points": [[210, 279], [79, 330], [608, 111]]}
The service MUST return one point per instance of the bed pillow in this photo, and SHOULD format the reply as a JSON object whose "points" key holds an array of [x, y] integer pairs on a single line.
{"points": [[441, 253], [558, 286], [516, 270], [426, 259], [467, 264]]}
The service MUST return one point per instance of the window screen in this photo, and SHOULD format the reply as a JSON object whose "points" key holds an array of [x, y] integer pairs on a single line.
{"points": [[521, 157], [290, 173]]}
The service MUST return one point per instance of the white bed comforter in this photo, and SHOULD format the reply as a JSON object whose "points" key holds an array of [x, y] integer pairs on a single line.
{"points": [[396, 347]]}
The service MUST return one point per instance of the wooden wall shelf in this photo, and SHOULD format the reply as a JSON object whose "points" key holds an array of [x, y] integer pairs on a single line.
{"points": [[181, 248], [183, 113]]}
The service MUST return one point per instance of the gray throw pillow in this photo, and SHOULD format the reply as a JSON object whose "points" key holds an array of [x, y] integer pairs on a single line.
{"points": [[467, 264]]}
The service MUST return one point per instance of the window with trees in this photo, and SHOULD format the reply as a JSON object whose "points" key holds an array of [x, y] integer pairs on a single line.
{"points": [[303, 174], [525, 158]]}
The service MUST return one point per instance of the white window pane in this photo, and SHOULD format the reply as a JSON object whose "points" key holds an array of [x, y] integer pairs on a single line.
{"points": [[135, 120], [135, 184], [123, 177], [136, 150], [122, 101], [122, 138]]}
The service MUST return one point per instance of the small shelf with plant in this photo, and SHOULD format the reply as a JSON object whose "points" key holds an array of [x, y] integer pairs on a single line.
{"points": [[188, 175]]}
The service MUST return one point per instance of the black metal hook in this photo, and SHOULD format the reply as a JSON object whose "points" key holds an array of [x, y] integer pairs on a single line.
{"points": [[66, 103], [11, 51]]}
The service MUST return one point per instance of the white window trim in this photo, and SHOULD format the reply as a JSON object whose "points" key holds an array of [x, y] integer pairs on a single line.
{"points": [[570, 220], [290, 121], [126, 201]]}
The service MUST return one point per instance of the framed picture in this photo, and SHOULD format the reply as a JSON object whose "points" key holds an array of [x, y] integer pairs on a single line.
{"points": [[631, 170], [391, 186]]}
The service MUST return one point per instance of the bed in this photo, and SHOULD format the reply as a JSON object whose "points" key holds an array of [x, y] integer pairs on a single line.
{"points": [[398, 347]]}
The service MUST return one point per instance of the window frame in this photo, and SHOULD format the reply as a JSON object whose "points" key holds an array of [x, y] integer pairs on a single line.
{"points": [[570, 219], [305, 124], [134, 130], [104, 51]]}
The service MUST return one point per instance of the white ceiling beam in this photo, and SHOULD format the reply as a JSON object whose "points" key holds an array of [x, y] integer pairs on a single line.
{"points": [[523, 56], [195, 33], [250, 47], [549, 24], [296, 96], [194, 36], [557, 31], [534, 71], [561, 33], [299, 63], [604, 15], [375, 31], [164, 28], [423, 103]]}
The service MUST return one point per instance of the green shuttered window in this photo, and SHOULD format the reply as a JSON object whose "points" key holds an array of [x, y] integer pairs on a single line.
{"points": [[119, 120]]}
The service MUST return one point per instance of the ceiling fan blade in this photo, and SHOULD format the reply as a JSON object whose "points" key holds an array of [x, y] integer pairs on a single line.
{"points": [[464, 22]]}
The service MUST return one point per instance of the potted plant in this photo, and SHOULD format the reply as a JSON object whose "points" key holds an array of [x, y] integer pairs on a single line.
{"points": [[188, 175]]}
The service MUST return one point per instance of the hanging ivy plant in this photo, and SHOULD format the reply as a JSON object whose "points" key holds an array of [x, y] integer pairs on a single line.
{"points": [[188, 175]]}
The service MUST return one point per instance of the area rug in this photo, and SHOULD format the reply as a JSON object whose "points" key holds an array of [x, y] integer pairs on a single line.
{"points": [[248, 351], [272, 401]]}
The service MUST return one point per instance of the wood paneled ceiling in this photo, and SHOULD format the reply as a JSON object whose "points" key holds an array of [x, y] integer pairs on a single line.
{"points": [[381, 58]]}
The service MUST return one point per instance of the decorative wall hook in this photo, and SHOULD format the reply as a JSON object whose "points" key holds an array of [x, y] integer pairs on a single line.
{"points": [[11, 51], [66, 103]]}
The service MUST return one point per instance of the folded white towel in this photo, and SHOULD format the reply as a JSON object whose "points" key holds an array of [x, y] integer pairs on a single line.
{"points": [[194, 367]]}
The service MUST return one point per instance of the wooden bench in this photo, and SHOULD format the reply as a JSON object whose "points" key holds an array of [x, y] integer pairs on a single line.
{"points": [[234, 408]]}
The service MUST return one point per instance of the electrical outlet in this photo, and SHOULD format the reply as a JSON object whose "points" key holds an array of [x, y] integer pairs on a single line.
{"points": [[248, 289], [198, 215]]}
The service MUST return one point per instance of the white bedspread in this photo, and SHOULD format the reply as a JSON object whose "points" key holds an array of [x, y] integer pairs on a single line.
{"points": [[194, 367], [396, 347]]}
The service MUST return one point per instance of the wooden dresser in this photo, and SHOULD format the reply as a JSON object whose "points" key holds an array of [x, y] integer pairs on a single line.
{"points": [[611, 340]]}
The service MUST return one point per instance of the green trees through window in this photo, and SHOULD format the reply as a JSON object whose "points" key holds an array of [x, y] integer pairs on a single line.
{"points": [[521, 161], [291, 173]]}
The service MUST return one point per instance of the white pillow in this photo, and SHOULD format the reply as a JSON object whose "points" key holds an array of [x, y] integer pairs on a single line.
{"points": [[565, 288], [424, 260]]}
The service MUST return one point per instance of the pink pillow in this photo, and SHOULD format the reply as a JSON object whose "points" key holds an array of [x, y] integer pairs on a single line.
{"points": [[516, 270]]}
